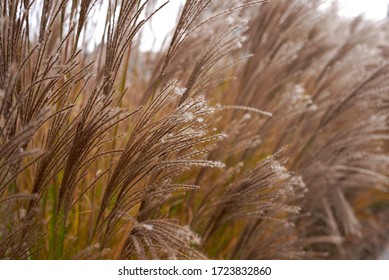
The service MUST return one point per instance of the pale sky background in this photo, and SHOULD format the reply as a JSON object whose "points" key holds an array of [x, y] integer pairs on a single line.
{"points": [[373, 9], [154, 32], [163, 22]]}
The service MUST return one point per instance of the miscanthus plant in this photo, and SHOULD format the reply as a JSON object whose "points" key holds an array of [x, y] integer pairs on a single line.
{"points": [[259, 132]]}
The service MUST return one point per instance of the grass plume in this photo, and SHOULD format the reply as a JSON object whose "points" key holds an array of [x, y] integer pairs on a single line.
{"points": [[259, 132]]}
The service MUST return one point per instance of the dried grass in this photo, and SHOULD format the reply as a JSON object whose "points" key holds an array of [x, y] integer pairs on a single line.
{"points": [[261, 132]]}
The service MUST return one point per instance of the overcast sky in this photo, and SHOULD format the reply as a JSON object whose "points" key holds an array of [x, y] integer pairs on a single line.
{"points": [[373, 9], [163, 22]]}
